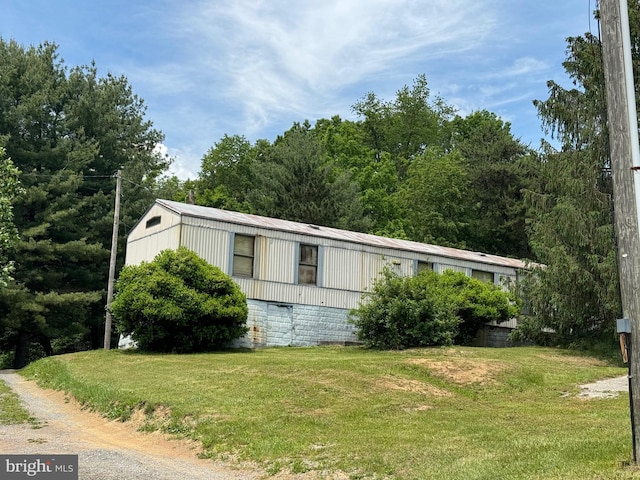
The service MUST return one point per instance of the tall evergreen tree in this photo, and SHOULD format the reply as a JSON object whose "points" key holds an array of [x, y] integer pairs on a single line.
{"points": [[301, 184], [295, 187], [570, 203], [68, 131]]}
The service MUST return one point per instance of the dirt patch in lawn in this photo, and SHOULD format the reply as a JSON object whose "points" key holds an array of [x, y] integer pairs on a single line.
{"points": [[408, 385], [461, 371]]}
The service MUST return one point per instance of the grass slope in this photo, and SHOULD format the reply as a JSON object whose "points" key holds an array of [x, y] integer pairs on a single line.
{"points": [[455, 413]]}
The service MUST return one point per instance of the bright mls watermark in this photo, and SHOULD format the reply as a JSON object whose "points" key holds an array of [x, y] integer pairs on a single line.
{"points": [[51, 467]]}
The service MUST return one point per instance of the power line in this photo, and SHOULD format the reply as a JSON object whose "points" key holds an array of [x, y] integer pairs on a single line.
{"points": [[70, 174]]}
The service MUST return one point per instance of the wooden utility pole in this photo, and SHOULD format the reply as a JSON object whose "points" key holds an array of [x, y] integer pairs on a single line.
{"points": [[625, 163], [112, 262]]}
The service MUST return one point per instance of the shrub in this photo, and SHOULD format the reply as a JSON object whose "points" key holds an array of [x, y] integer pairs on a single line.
{"points": [[474, 302], [178, 303], [400, 312], [429, 309]]}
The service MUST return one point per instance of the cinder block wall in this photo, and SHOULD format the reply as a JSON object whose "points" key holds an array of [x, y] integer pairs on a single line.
{"points": [[492, 336], [277, 325], [283, 325]]}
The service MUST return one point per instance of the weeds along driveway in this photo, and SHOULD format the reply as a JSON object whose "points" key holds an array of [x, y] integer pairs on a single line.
{"points": [[106, 449]]}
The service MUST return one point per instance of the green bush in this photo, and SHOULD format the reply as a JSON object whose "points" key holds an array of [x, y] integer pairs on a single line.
{"points": [[428, 309], [178, 303], [400, 312], [475, 303]]}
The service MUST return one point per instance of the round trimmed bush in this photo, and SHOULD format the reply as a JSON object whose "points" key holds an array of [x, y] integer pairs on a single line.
{"points": [[178, 303]]}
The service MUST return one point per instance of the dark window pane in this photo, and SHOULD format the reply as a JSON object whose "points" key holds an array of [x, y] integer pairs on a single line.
{"points": [[153, 221], [308, 255], [307, 274], [243, 255]]}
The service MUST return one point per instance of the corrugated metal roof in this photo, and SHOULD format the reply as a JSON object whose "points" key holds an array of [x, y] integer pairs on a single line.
{"points": [[334, 233]]}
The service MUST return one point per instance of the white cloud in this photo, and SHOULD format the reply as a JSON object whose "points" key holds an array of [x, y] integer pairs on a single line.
{"points": [[185, 163], [182, 161], [296, 57], [525, 66], [161, 149], [253, 67], [521, 67]]}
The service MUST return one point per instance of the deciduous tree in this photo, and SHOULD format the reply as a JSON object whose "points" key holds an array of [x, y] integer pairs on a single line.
{"points": [[229, 174], [434, 199]]}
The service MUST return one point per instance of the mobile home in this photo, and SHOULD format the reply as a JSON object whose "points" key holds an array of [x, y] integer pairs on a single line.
{"points": [[301, 280]]}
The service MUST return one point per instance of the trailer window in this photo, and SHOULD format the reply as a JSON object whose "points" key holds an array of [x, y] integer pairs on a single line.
{"points": [[422, 266], [482, 275], [153, 221], [243, 254], [308, 265]]}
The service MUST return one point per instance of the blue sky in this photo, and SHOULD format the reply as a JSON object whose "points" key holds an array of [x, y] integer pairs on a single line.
{"points": [[206, 68]]}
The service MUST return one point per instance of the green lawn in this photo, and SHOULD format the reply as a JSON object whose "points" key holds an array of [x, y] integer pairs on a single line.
{"points": [[443, 413]]}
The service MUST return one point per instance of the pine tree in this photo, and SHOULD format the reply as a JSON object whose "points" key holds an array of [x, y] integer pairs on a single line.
{"points": [[68, 131], [570, 205]]}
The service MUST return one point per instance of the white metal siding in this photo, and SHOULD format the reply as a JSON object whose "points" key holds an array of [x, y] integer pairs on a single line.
{"points": [[168, 219], [353, 268], [212, 245], [277, 260], [300, 294], [144, 249], [342, 269]]}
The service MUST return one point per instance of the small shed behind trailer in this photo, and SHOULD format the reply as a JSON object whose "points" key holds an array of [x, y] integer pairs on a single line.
{"points": [[300, 280]]}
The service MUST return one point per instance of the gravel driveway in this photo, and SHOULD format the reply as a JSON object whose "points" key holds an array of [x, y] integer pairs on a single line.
{"points": [[608, 388], [106, 449]]}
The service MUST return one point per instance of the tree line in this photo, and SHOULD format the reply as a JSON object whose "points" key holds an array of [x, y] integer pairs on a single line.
{"points": [[408, 167]]}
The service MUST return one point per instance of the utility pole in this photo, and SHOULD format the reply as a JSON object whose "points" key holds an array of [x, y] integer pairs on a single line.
{"points": [[625, 164], [112, 262]]}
